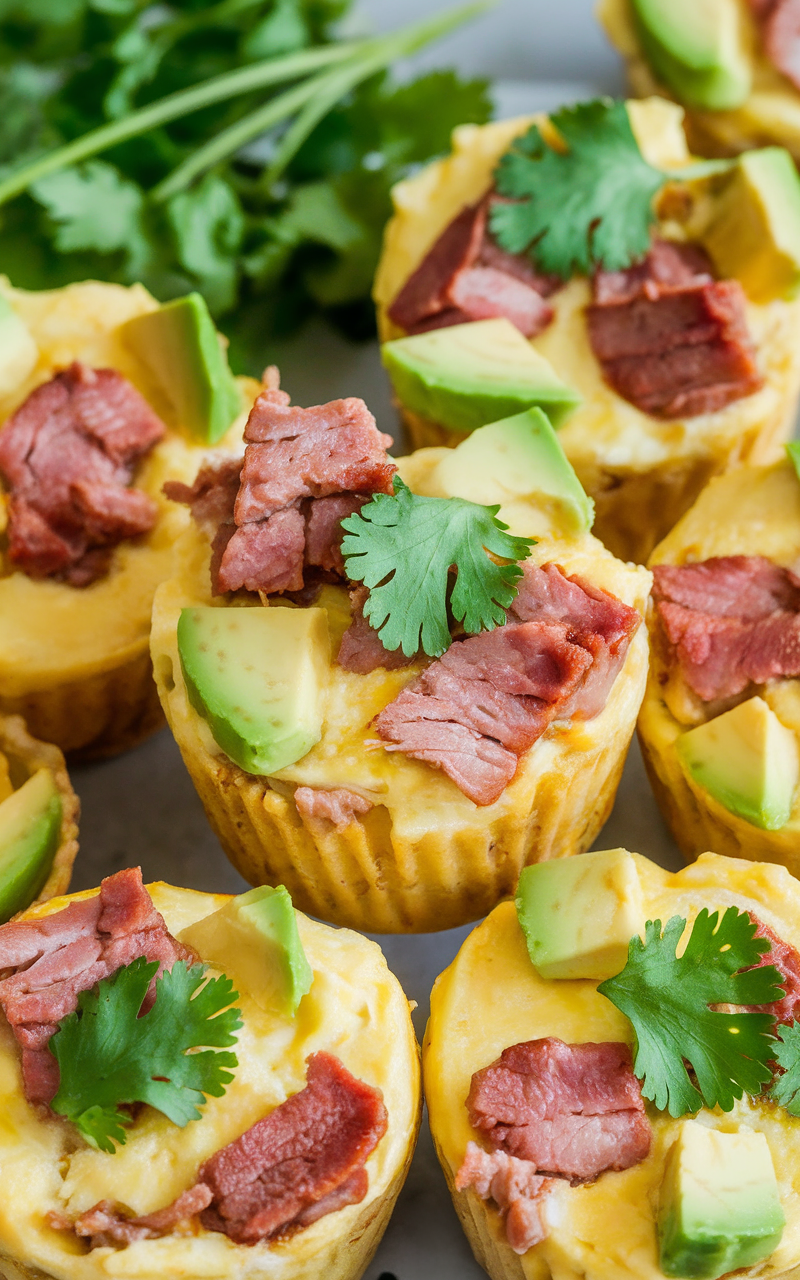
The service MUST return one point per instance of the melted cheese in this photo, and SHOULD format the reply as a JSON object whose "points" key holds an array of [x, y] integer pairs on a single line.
{"points": [[54, 633], [492, 997], [605, 431], [355, 1009]]}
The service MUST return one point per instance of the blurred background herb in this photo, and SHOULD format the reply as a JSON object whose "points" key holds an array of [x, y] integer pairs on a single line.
{"points": [[271, 227]]}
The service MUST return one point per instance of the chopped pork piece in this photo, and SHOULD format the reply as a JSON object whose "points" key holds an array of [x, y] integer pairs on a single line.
{"points": [[106, 1225], [54, 958], [423, 728], [213, 495], [787, 961], [780, 32], [467, 276], [337, 805], [572, 1110], [265, 556], [731, 621], [361, 649], [516, 1188], [324, 530], [669, 338], [68, 456]]}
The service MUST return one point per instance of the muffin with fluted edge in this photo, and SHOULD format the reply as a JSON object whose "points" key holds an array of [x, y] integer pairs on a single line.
{"points": [[279, 1149], [389, 695], [104, 396], [592, 1115], [655, 321]]}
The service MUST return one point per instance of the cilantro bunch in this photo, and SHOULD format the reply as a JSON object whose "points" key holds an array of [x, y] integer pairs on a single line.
{"points": [[233, 147]]}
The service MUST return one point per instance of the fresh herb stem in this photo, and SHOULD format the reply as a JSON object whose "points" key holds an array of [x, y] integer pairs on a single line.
{"points": [[700, 169], [314, 99]]}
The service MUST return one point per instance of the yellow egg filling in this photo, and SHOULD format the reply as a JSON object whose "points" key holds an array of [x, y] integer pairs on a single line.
{"points": [[492, 997]]}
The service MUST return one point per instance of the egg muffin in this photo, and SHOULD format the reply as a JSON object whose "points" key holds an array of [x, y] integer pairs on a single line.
{"points": [[643, 454], [729, 65], [74, 657], [310, 1014], [397, 784], [38, 819], [719, 721], [540, 1089]]}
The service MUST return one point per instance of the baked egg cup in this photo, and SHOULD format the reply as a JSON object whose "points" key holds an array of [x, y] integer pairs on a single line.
{"points": [[355, 1009], [74, 662], [491, 997], [424, 857], [642, 472]]}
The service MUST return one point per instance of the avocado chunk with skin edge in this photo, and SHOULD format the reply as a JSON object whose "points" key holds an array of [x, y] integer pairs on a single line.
{"points": [[747, 760], [517, 458], [698, 49], [258, 676], [254, 940], [579, 914], [180, 344], [720, 1208], [468, 375], [30, 833]]}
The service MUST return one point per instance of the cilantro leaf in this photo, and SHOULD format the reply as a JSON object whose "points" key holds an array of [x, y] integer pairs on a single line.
{"points": [[109, 1057], [785, 1089], [94, 207], [668, 997], [402, 548], [208, 225], [589, 206]]}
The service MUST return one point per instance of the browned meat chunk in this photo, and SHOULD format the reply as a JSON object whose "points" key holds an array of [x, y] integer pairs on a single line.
{"points": [[787, 961], [780, 33], [266, 555], [361, 649], [324, 530], [731, 621], [572, 1110], [55, 958], [105, 1224], [671, 340], [337, 805], [68, 456], [516, 1188], [466, 276], [212, 497]]}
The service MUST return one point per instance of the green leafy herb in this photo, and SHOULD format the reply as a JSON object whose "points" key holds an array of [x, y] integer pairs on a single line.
{"points": [[587, 206], [668, 999], [109, 1057], [786, 1052], [403, 547]]}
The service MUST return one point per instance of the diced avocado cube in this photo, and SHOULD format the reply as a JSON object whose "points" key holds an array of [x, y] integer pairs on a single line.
{"points": [[747, 760], [579, 914], [254, 939], [517, 458], [698, 49], [470, 374], [754, 233], [18, 351], [182, 348], [258, 677], [793, 451], [30, 830], [720, 1209]]}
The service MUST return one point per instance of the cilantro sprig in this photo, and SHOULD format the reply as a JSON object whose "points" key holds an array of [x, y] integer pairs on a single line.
{"points": [[668, 999], [403, 547], [109, 1057], [588, 203], [785, 1088]]}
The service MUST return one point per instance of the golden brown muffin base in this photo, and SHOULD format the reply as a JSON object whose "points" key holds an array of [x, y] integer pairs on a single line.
{"points": [[25, 755], [97, 716]]}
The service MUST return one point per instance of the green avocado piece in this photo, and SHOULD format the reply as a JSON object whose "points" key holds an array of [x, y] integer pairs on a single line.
{"points": [[720, 1209], [468, 375], [30, 831], [754, 233], [747, 760], [257, 676], [18, 351], [698, 49], [518, 458], [182, 348], [793, 452], [255, 940], [579, 914]]}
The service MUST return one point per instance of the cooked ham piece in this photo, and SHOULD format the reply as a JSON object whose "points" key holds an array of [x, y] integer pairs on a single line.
{"points": [[361, 649], [780, 33], [467, 276], [669, 338], [572, 1110], [337, 805], [304, 1160], [731, 621], [473, 711], [68, 456], [787, 961], [54, 958], [516, 1188]]}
